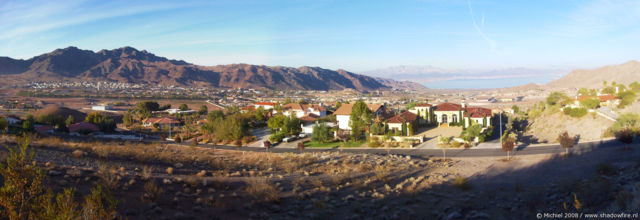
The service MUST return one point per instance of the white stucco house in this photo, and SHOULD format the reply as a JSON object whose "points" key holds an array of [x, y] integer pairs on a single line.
{"points": [[102, 107], [264, 105], [343, 114], [422, 110], [300, 110], [448, 113]]}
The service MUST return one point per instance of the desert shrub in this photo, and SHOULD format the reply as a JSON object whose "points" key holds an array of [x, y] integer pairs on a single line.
{"points": [[63, 207], [606, 169], [262, 190], [151, 192], [99, 204], [456, 144], [23, 181], [625, 136], [462, 183], [146, 172], [373, 142], [108, 176], [575, 112]]}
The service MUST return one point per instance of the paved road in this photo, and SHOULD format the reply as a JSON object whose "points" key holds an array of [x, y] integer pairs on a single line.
{"points": [[521, 150]]}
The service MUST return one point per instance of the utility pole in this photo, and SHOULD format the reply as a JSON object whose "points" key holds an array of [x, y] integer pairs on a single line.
{"points": [[501, 127]]}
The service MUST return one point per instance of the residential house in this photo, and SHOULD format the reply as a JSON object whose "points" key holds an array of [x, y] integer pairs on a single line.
{"points": [[265, 105], [423, 111], [83, 127], [343, 114], [178, 111], [477, 115], [161, 121], [14, 121], [605, 100], [102, 107], [460, 114], [408, 118], [307, 128], [44, 129], [300, 110]]}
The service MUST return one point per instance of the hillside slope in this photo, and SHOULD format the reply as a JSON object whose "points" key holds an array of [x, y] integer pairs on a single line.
{"points": [[623, 73], [548, 126]]}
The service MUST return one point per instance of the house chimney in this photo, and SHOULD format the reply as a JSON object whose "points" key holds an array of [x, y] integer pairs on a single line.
{"points": [[617, 90], [463, 104]]}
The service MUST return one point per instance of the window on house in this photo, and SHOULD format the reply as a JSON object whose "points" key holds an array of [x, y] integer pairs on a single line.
{"points": [[444, 118], [454, 118]]}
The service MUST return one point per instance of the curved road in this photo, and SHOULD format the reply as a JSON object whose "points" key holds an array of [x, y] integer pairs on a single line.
{"points": [[520, 150]]}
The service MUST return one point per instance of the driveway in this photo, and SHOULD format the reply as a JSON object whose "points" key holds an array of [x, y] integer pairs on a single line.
{"points": [[432, 135], [262, 134]]}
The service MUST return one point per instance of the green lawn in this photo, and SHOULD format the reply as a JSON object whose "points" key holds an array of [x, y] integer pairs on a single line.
{"points": [[333, 144]]}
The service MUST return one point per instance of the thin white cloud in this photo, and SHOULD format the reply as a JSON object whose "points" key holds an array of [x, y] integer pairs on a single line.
{"points": [[491, 42], [36, 17]]}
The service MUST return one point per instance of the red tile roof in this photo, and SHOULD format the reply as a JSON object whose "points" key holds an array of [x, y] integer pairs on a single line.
{"points": [[407, 116], [309, 117], [424, 105], [265, 103], [448, 107], [477, 112], [44, 128], [83, 126], [604, 98]]}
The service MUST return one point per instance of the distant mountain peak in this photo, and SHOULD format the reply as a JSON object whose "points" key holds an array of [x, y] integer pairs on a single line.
{"points": [[130, 65]]}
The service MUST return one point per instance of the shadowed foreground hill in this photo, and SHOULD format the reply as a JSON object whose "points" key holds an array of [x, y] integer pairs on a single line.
{"points": [[128, 65]]}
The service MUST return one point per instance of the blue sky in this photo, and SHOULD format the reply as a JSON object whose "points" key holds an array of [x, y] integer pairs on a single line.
{"points": [[352, 35]]}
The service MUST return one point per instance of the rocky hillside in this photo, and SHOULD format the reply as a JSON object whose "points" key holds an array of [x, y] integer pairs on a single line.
{"points": [[133, 66], [623, 73]]}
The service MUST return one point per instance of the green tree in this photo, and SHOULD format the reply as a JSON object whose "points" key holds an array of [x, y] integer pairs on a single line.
{"points": [[28, 123], [183, 107], [626, 121], [635, 87], [104, 122], [127, 119], [3, 124], [260, 114], [590, 103], [609, 90], [410, 105], [471, 132], [70, 120], [203, 110], [377, 129], [626, 98], [515, 108], [360, 118], [338, 104], [276, 123], [321, 133], [556, 98], [148, 106]]}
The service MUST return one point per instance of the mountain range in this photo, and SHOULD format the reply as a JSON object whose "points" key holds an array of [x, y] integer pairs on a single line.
{"points": [[129, 65]]}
